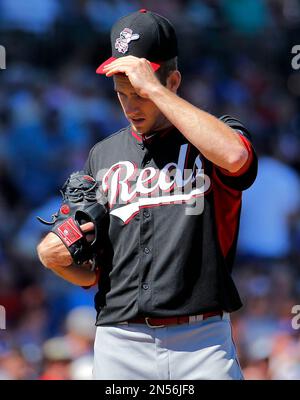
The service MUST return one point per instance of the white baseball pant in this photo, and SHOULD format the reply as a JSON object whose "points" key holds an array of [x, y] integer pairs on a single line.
{"points": [[200, 350]]}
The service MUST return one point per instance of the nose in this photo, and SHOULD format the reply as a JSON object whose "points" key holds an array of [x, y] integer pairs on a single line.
{"points": [[131, 107]]}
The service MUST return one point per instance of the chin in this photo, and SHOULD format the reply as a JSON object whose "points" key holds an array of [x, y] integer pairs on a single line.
{"points": [[140, 131]]}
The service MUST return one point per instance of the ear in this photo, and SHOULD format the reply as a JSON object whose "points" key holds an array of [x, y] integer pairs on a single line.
{"points": [[173, 81]]}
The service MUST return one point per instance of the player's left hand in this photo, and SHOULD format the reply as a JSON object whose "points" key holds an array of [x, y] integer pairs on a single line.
{"points": [[138, 71]]}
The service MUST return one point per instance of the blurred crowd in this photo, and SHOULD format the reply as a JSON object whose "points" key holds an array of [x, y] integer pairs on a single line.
{"points": [[235, 57]]}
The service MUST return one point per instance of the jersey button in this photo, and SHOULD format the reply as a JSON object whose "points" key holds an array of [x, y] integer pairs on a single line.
{"points": [[146, 214], [145, 286], [146, 250]]}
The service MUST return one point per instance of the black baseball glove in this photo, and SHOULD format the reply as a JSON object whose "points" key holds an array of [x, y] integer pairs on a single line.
{"points": [[81, 203]]}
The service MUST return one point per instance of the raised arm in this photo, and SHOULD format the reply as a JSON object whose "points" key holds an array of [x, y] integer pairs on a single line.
{"points": [[214, 139]]}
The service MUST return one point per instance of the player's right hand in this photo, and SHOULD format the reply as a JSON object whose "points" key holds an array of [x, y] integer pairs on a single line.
{"points": [[54, 254]]}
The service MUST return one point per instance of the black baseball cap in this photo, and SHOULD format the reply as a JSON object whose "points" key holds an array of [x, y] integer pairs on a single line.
{"points": [[142, 34]]}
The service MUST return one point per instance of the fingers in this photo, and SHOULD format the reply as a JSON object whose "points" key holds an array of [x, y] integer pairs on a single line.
{"points": [[87, 227], [124, 65], [128, 60], [116, 69]]}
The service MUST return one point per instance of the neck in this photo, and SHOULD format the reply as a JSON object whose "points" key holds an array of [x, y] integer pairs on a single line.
{"points": [[163, 129]]}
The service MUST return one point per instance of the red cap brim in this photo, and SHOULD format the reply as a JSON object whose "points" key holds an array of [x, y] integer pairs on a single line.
{"points": [[100, 70]]}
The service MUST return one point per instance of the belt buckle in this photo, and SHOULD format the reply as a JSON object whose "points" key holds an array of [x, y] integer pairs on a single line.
{"points": [[153, 326]]}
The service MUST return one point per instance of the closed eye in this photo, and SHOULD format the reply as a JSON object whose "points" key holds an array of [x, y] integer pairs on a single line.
{"points": [[130, 95]]}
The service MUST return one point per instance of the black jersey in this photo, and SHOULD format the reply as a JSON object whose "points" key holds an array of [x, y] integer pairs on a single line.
{"points": [[173, 226]]}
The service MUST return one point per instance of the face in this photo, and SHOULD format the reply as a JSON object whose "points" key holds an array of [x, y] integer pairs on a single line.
{"points": [[142, 113]]}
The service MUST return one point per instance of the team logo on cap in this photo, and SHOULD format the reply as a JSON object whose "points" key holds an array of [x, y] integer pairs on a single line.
{"points": [[126, 36]]}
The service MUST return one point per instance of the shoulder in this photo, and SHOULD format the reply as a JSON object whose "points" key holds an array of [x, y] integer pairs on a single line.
{"points": [[246, 176], [103, 150], [237, 125], [114, 139]]}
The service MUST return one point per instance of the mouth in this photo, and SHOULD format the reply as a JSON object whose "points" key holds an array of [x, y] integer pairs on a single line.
{"points": [[137, 121]]}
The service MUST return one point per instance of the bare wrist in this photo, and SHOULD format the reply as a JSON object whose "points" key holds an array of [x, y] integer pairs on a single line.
{"points": [[59, 267], [155, 90], [52, 263]]}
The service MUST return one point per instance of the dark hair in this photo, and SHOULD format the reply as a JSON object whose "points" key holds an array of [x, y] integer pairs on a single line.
{"points": [[166, 68]]}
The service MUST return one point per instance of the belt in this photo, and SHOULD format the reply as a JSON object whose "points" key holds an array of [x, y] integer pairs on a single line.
{"points": [[162, 322]]}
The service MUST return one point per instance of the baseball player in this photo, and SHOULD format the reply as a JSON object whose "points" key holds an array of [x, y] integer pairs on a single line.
{"points": [[173, 180]]}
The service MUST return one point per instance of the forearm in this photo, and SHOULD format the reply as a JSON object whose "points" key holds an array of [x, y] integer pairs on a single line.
{"points": [[80, 275], [54, 256], [214, 139]]}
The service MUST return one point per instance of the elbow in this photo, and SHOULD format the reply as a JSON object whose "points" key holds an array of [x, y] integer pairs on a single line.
{"points": [[237, 160]]}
